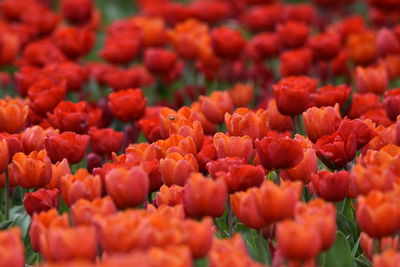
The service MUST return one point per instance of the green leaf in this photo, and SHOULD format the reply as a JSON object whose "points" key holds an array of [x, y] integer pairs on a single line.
{"points": [[20, 218], [5, 224], [362, 261], [222, 227], [340, 254], [203, 262]]}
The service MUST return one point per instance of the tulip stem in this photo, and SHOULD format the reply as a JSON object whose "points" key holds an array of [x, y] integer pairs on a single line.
{"points": [[377, 245], [294, 125], [7, 195], [230, 218]]}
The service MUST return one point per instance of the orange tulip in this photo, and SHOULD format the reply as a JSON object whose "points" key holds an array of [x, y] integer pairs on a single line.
{"points": [[276, 203], [58, 170], [84, 211], [389, 258], [372, 79], [298, 240], [366, 179], [244, 205], [233, 146], [64, 244], [201, 236], [170, 196], [378, 214], [188, 129], [304, 170], [80, 185], [322, 216], [175, 168], [13, 114], [246, 122], [204, 197], [321, 121], [177, 143], [127, 187], [33, 138], [153, 30], [30, 171], [42, 222], [367, 244], [362, 47], [242, 94], [277, 121], [4, 155], [12, 248], [216, 105]]}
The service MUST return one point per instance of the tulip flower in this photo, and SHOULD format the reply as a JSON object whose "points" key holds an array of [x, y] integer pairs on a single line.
{"points": [[279, 152], [170, 196], [175, 168], [304, 170], [293, 34], [292, 94], [244, 205], [208, 201], [391, 103], [65, 244], [30, 171], [41, 200], [105, 141], [67, 145], [80, 185], [377, 214], [231, 49], [77, 12], [127, 105], [33, 138], [216, 105], [331, 186], [276, 203], [245, 122], [233, 146], [68, 116], [388, 258], [127, 187], [84, 211], [45, 95], [13, 114], [242, 177], [330, 95], [159, 60], [372, 79], [12, 247], [74, 41]]}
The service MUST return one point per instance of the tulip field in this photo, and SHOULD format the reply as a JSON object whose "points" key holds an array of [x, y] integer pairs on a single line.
{"points": [[179, 133]]}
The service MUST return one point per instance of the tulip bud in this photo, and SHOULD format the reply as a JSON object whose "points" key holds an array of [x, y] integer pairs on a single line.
{"points": [[208, 201], [127, 187], [331, 186]]}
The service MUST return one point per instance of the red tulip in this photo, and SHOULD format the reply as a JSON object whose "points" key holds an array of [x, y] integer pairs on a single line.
{"points": [[41, 200], [331, 186], [67, 145]]}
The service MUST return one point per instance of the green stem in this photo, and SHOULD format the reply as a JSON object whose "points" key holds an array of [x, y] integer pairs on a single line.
{"points": [[295, 130], [260, 247], [230, 219]]}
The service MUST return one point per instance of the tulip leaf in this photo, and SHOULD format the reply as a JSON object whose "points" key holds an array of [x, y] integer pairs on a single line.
{"points": [[20, 218], [362, 261], [5, 224], [203, 262], [339, 255], [222, 227]]}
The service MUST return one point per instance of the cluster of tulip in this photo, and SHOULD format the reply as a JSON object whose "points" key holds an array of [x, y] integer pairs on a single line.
{"points": [[120, 147]]}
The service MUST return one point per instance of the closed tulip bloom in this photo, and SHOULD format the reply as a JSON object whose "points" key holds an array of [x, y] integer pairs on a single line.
{"points": [[31, 171], [105, 141], [223, 165], [295, 62], [362, 47], [389, 258], [387, 42], [175, 168], [279, 152], [372, 79], [266, 44], [204, 197], [293, 33], [153, 30], [13, 114], [276, 203], [246, 122], [127, 187], [233, 146], [242, 177], [216, 105], [84, 211], [292, 94], [391, 103], [224, 49], [201, 237], [321, 121], [322, 216], [12, 248], [362, 103], [325, 45], [331, 186], [69, 116], [41, 200], [4, 155], [244, 205], [170, 196], [298, 240], [367, 244], [65, 244], [337, 149], [159, 60], [363, 130], [80, 185], [127, 105], [276, 120], [67, 145], [74, 41], [377, 214], [242, 94], [43, 221], [304, 170], [10, 46], [366, 179], [45, 95], [330, 95], [189, 129], [58, 170]]}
